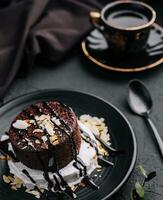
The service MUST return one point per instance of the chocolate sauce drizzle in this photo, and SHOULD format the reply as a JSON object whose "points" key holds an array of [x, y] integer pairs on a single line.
{"points": [[101, 159], [34, 182], [4, 150], [78, 162], [58, 190]]}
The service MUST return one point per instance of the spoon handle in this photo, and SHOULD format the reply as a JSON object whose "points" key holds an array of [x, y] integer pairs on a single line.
{"points": [[157, 136]]}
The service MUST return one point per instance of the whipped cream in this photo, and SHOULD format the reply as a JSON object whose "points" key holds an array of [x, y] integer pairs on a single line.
{"points": [[71, 175]]}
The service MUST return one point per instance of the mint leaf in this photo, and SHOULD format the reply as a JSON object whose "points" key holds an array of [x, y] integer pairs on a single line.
{"points": [[138, 192], [139, 189], [134, 195], [142, 171]]}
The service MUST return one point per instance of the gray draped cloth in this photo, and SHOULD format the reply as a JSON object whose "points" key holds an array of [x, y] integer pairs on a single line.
{"points": [[39, 27]]}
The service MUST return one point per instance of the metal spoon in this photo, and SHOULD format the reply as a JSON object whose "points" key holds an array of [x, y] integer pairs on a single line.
{"points": [[140, 102]]}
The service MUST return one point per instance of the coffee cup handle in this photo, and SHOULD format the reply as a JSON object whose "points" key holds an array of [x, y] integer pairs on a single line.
{"points": [[96, 20]]}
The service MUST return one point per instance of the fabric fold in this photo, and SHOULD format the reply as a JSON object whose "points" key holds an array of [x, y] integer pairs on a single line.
{"points": [[40, 27]]}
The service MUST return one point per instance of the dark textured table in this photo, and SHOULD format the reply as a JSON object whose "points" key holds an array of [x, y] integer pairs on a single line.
{"points": [[77, 74]]}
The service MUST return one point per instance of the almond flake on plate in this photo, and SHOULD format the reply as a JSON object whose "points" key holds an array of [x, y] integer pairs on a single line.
{"points": [[6, 179]]}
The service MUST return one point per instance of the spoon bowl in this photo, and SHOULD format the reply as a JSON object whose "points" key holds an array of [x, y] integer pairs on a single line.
{"points": [[139, 98], [140, 102]]}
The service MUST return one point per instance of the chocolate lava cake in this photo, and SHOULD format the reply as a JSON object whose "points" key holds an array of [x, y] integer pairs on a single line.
{"points": [[45, 136]]}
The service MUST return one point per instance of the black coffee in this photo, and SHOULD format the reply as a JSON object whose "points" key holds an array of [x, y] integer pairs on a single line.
{"points": [[126, 19]]}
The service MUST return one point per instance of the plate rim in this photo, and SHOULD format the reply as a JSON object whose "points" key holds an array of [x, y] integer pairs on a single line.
{"points": [[118, 69], [135, 147]]}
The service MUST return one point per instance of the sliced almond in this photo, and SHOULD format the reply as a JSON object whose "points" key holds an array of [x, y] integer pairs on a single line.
{"points": [[5, 158], [13, 187], [17, 180], [74, 188], [20, 124], [54, 140], [11, 178], [37, 142], [18, 185], [6, 179], [38, 130]]}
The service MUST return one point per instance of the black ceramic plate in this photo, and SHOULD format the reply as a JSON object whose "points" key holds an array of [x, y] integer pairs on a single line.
{"points": [[96, 49], [122, 137]]}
